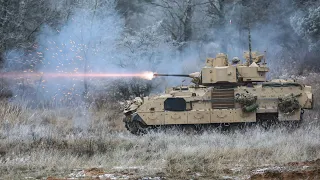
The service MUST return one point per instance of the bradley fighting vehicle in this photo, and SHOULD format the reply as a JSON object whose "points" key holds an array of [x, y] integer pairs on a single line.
{"points": [[224, 93]]}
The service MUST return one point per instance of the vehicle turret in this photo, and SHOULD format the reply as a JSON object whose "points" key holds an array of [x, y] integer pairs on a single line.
{"points": [[220, 71]]}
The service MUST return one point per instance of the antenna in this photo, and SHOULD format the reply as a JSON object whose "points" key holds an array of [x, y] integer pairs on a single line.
{"points": [[249, 37]]}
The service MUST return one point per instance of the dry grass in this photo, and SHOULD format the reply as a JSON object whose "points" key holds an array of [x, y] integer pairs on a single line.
{"points": [[42, 142]]}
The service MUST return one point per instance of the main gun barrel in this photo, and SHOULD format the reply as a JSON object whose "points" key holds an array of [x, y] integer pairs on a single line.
{"points": [[196, 76], [177, 75]]}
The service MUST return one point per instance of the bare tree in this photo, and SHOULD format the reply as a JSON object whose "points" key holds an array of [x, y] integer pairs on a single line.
{"points": [[20, 22], [4, 21], [178, 18]]}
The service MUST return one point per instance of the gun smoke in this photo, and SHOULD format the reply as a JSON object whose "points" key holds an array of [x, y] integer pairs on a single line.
{"points": [[96, 38]]}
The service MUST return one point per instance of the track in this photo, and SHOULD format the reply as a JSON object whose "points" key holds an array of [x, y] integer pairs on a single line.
{"points": [[266, 121]]}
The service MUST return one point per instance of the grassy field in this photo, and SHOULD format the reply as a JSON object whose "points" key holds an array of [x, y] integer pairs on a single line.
{"points": [[40, 143]]}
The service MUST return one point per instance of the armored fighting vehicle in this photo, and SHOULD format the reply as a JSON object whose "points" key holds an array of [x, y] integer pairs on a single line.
{"points": [[223, 93]]}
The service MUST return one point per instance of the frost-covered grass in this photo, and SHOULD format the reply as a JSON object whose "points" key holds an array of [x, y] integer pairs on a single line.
{"points": [[51, 142], [48, 142]]}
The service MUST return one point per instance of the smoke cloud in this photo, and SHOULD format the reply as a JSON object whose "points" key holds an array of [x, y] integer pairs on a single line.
{"points": [[95, 38]]}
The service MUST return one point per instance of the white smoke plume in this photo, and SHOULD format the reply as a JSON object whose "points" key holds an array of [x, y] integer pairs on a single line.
{"points": [[96, 38]]}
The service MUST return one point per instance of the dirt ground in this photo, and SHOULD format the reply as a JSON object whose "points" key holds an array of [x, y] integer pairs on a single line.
{"points": [[292, 171], [308, 170]]}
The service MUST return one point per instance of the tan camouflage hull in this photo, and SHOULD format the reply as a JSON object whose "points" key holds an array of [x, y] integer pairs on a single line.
{"points": [[201, 105]]}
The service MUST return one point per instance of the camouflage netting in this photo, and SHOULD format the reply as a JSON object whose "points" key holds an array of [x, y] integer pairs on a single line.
{"points": [[133, 105], [289, 103], [247, 101]]}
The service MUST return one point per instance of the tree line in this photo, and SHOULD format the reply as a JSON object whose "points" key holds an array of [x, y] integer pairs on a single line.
{"points": [[149, 30]]}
